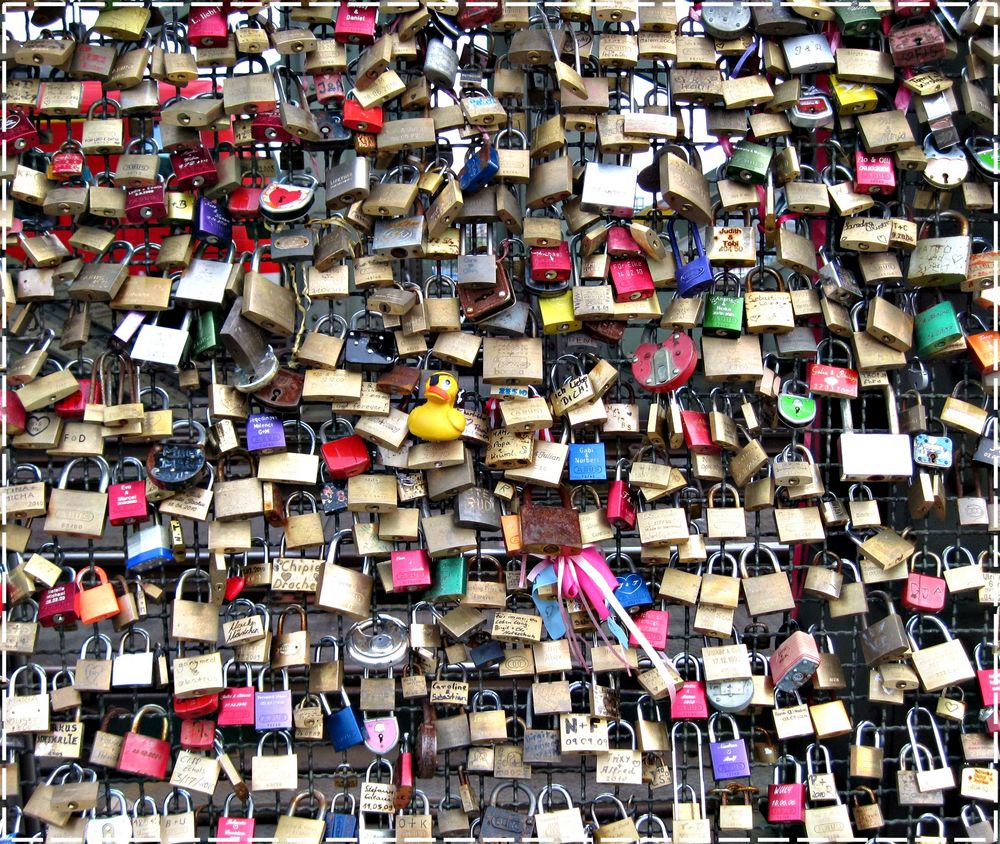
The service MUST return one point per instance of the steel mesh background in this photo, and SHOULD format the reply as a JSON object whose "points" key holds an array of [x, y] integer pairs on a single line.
{"points": [[972, 621]]}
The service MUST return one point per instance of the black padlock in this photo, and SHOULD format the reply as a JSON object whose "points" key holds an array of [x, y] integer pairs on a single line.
{"points": [[176, 464], [367, 349]]}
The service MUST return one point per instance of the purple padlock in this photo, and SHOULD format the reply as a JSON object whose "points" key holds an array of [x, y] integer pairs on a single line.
{"points": [[265, 433], [729, 758], [212, 223], [273, 709]]}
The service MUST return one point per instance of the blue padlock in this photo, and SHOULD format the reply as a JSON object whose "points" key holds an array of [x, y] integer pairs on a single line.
{"points": [[633, 591], [586, 460], [265, 433], [344, 726], [694, 277], [480, 168], [342, 826]]}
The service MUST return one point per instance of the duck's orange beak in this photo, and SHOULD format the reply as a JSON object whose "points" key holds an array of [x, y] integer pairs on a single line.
{"points": [[437, 391]]}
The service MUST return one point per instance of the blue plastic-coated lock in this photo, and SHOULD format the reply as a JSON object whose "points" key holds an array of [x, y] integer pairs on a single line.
{"points": [[695, 277], [342, 825], [344, 726], [586, 461], [480, 168], [633, 591]]}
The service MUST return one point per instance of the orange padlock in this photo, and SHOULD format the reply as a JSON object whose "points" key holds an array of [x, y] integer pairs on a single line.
{"points": [[98, 603]]}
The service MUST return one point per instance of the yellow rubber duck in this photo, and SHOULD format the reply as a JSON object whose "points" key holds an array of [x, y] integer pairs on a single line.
{"points": [[438, 420]]}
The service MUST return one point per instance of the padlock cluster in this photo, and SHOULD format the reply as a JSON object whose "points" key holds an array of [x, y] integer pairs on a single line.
{"points": [[499, 420]]}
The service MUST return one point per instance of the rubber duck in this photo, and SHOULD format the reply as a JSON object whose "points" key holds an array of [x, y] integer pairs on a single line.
{"points": [[437, 419]]}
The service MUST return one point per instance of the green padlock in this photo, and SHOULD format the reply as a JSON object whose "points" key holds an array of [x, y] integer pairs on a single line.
{"points": [[936, 328], [206, 336], [450, 576], [857, 19], [723, 312], [749, 163], [796, 407]]}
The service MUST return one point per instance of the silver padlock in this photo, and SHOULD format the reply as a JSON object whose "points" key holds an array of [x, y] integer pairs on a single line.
{"points": [[807, 54], [347, 182], [440, 63], [608, 189]]}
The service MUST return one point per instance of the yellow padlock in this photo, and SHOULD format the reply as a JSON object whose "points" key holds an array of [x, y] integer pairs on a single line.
{"points": [[557, 314]]}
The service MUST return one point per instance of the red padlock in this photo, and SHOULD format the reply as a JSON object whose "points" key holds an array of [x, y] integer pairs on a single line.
{"points": [[75, 405], [411, 570], [196, 707], [664, 367], [146, 203], [19, 132], [329, 88], [697, 431], [355, 24], [127, 504], [655, 625], [145, 755], [476, 14], [232, 830], [207, 27], [67, 161], [631, 279], [244, 202], [690, 702], [347, 456], [551, 264], [621, 501], [194, 168], [786, 802], [197, 735], [838, 382], [236, 703], [621, 243], [58, 606], [360, 119], [403, 775], [874, 173], [924, 592], [13, 413], [266, 126]]}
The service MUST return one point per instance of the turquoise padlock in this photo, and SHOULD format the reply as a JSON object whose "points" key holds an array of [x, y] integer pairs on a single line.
{"points": [[450, 577], [936, 328]]}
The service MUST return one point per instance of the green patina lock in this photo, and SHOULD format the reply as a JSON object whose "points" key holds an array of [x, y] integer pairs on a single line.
{"points": [[936, 328], [206, 336], [723, 311], [857, 19], [749, 163], [450, 577]]}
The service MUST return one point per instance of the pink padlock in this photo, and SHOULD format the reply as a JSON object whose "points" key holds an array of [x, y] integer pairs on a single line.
{"points": [[127, 504], [232, 830], [786, 802], [690, 701], [874, 173], [654, 625], [621, 243], [411, 570]]}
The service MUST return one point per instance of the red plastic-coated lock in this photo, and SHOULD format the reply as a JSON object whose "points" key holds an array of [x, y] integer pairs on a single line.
{"points": [[146, 204], [835, 381], [346, 457], [655, 624], [874, 173], [207, 27], [631, 279], [75, 404], [621, 505], [329, 88], [19, 132], [355, 24], [551, 264], [360, 119], [194, 168]]}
